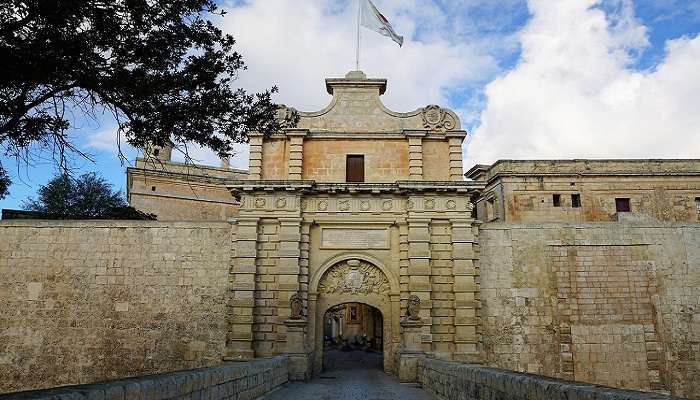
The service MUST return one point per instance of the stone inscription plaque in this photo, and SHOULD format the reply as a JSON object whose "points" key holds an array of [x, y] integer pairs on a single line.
{"points": [[355, 238]]}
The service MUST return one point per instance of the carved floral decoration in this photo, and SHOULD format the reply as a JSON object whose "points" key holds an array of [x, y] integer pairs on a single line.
{"points": [[354, 277]]}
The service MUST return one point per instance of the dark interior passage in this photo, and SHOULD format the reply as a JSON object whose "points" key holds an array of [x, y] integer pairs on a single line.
{"points": [[353, 337]]}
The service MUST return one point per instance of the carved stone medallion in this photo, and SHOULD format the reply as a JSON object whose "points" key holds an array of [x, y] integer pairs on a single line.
{"points": [[365, 206], [322, 205], [437, 119], [451, 204], [344, 205], [354, 277], [281, 202], [387, 205], [260, 202], [430, 204]]}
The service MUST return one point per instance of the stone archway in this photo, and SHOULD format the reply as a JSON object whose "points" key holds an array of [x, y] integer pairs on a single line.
{"points": [[354, 280]]}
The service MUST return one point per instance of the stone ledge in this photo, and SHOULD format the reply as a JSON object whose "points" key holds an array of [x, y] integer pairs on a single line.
{"points": [[450, 380], [240, 380]]}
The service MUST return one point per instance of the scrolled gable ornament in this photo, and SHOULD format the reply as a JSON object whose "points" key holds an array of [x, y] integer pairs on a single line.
{"points": [[436, 118], [287, 117]]}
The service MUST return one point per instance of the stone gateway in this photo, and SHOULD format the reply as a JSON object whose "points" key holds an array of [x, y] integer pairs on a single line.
{"points": [[358, 229]]}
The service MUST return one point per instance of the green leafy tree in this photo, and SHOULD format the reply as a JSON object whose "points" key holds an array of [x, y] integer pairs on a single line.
{"points": [[161, 68], [89, 196]]}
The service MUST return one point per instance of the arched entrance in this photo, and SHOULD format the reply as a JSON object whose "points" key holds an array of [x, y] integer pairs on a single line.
{"points": [[353, 337], [360, 280]]}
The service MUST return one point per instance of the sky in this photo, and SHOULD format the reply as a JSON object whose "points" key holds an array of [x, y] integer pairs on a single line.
{"points": [[530, 79]]}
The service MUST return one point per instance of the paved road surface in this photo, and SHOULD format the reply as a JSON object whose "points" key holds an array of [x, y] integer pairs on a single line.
{"points": [[351, 376]]}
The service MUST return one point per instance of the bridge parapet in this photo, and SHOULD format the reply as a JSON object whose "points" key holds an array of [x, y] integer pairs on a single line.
{"points": [[235, 380], [452, 381]]}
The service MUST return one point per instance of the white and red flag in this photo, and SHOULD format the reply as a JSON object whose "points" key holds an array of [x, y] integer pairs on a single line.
{"points": [[372, 19]]}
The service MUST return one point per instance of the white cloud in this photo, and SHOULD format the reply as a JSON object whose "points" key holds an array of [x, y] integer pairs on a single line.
{"points": [[104, 139], [574, 94], [296, 45]]}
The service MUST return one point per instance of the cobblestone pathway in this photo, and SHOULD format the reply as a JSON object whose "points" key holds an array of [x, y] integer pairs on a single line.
{"points": [[351, 376]]}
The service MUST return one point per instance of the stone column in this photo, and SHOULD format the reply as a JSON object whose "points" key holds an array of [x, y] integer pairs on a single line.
{"points": [[415, 155], [256, 156], [239, 343], [465, 274], [296, 154], [455, 142]]}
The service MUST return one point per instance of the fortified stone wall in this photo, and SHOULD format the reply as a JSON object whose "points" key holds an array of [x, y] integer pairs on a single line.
{"points": [[612, 304], [575, 191], [88, 301], [182, 192]]}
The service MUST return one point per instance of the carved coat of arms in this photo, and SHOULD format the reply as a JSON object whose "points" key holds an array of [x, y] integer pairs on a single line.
{"points": [[354, 277]]}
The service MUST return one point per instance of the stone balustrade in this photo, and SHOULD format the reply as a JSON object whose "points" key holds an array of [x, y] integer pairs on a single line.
{"points": [[454, 381], [234, 380]]}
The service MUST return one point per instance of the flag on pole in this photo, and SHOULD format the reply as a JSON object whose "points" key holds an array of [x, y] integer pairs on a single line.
{"points": [[372, 19]]}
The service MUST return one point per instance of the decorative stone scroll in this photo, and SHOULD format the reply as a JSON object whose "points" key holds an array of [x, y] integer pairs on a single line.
{"points": [[354, 277], [436, 118]]}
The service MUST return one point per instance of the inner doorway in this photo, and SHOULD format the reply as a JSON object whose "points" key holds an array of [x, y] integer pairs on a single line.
{"points": [[353, 337]]}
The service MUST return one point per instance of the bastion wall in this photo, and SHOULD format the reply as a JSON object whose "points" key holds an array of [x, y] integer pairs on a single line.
{"points": [[607, 303], [82, 302]]}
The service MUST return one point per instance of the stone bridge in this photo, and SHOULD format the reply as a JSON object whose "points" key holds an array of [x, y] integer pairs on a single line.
{"points": [[355, 375]]}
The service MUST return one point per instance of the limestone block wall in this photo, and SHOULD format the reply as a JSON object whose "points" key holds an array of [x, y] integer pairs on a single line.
{"points": [[385, 160], [608, 303], [89, 301], [239, 381]]}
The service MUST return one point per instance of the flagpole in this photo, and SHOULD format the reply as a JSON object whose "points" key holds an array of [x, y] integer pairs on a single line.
{"points": [[357, 54]]}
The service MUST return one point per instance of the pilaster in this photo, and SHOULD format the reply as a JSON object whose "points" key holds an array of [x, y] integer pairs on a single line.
{"points": [[442, 289], [256, 156], [239, 343], [466, 290], [296, 154], [415, 155], [419, 271], [288, 265], [455, 140]]}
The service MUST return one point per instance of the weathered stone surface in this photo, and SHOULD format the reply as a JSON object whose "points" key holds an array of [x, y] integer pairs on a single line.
{"points": [[87, 301], [611, 304], [524, 190], [452, 381], [240, 381]]}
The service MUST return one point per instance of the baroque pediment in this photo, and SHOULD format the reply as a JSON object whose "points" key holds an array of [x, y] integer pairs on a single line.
{"points": [[356, 107]]}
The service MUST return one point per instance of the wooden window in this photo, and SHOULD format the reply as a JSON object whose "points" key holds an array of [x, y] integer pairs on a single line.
{"points": [[355, 168], [556, 200], [622, 205], [576, 200]]}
